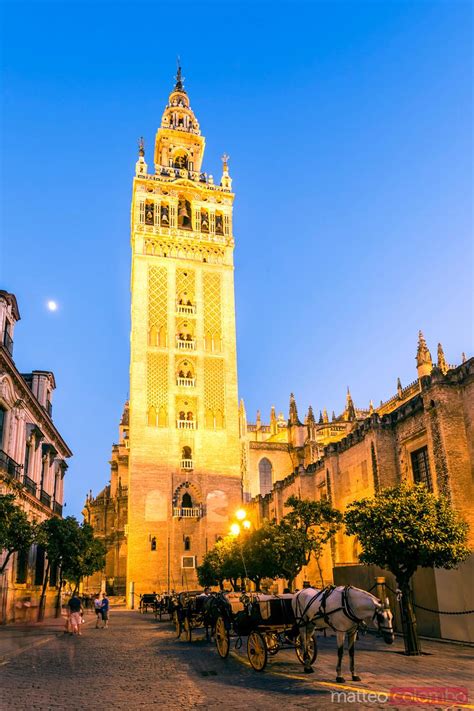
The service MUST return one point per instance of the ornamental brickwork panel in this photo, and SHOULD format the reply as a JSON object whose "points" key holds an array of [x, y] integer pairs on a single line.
{"points": [[157, 389], [185, 287], [212, 311], [214, 393], [157, 306]]}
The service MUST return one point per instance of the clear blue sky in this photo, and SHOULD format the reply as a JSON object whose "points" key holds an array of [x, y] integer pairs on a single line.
{"points": [[348, 125]]}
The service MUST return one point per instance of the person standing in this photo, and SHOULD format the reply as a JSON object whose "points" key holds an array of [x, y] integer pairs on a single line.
{"points": [[97, 610], [105, 610], [75, 614]]}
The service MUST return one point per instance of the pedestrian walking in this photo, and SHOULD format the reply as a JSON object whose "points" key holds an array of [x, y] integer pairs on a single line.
{"points": [[105, 610], [97, 610], [75, 614]]}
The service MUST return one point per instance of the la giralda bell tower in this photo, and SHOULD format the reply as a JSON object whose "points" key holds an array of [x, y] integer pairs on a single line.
{"points": [[184, 468]]}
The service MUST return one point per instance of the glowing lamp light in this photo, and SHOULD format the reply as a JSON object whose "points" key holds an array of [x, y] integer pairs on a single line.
{"points": [[246, 524], [235, 529], [240, 514]]}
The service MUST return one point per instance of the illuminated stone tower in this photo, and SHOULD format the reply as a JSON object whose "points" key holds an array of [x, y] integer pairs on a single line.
{"points": [[184, 472]]}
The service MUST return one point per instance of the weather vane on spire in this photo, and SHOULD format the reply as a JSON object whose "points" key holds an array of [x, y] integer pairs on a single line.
{"points": [[225, 159], [179, 86], [141, 146]]}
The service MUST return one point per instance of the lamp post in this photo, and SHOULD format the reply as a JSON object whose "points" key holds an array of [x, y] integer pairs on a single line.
{"points": [[240, 524]]}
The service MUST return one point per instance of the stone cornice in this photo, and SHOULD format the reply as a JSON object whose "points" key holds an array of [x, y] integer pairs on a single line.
{"points": [[280, 446], [42, 417]]}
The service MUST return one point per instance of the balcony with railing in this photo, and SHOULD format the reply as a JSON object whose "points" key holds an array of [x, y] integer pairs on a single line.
{"points": [[187, 464], [57, 508], [186, 382], [188, 309], [30, 484], [7, 342], [195, 512], [9, 466], [185, 424], [45, 498], [185, 344]]}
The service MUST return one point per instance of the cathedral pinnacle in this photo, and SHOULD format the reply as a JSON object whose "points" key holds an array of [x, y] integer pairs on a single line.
{"points": [[141, 147], [442, 365], [293, 419], [423, 357], [349, 412]]}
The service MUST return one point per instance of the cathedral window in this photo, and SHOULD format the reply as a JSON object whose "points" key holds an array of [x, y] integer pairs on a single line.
{"points": [[265, 471], [149, 212], [420, 464], [181, 161], [219, 224], [186, 501], [152, 416], [153, 543], [184, 214], [187, 453], [187, 543], [164, 215], [204, 221]]}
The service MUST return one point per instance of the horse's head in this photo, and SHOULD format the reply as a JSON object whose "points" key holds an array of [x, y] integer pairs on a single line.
{"points": [[383, 619]]}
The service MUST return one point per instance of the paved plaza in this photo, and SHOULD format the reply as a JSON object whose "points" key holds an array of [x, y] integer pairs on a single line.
{"points": [[138, 664]]}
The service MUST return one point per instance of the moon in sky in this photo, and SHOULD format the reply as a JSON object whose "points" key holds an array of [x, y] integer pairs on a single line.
{"points": [[52, 305]]}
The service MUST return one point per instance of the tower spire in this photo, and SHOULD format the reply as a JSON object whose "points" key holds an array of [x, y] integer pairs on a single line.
{"points": [[423, 357], [349, 412], [442, 365], [179, 86]]}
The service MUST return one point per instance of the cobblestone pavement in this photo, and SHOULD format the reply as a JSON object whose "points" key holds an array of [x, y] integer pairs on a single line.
{"points": [[138, 664]]}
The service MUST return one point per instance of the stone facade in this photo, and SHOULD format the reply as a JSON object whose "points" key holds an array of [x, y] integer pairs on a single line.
{"points": [[184, 473], [107, 513], [424, 433], [32, 466]]}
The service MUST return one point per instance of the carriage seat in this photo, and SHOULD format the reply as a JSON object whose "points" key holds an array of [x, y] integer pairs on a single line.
{"points": [[276, 609]]}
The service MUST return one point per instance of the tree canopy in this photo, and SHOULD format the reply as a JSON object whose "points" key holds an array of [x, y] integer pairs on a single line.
{"points": [[17, 533], [407, 527]]}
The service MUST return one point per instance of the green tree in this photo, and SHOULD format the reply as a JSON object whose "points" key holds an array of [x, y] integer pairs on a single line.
{"points": [[73, 549], [404, 528], [260, 553], [210, 571], [222, 562], [305, 530], [17, 533], [87, 557]]}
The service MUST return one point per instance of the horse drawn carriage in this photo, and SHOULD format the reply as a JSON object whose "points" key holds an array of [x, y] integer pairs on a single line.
{"points": [[148, 601], [267, 621]]}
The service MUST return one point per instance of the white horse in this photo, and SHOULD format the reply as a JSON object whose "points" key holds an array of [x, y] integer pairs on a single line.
{"points": [[342, 609]]}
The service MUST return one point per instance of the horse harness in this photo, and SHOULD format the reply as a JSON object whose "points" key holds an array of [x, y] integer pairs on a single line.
{"points": [[324, 614]]}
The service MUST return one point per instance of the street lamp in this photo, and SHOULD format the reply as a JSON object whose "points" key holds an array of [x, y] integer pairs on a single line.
{"points": [[236, 527]]}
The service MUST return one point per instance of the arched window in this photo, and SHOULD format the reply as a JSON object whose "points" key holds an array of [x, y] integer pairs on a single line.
{"points": [[152, 416], [153, 544], [186, 501], [265, 470], [187, 543], [187, 453]]}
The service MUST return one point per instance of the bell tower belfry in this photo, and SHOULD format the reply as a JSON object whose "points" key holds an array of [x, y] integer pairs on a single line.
{"points": [[184, 462]]}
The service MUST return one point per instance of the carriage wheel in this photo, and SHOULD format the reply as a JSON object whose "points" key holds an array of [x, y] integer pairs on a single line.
{"points": [[222, 638], [257, 651], [272, 643], [312, 649], [188, 632], [177, 624]]}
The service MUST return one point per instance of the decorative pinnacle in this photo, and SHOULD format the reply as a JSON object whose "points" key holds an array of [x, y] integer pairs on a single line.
{"points": [[141, 147], [225, 160], [179, 86]]}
